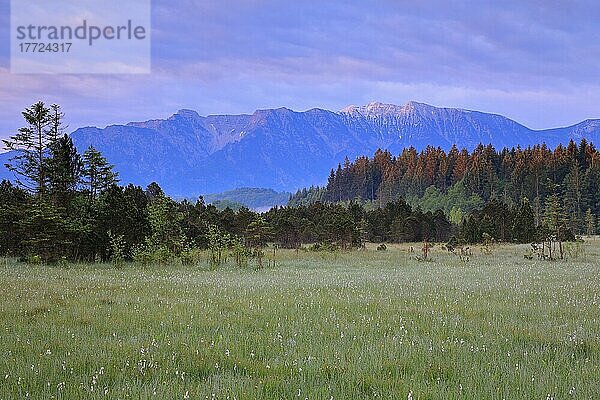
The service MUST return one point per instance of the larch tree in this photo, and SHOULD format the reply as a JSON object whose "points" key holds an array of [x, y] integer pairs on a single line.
{"points": [[30, 146]]}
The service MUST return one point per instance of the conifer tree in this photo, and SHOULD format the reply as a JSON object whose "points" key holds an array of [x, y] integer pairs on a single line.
{"points": [[590, 223], [12, 200], [524, 223], [573, 199], [98, 174], [258, 233], [64, 170], [556, 222], [30, 146]]}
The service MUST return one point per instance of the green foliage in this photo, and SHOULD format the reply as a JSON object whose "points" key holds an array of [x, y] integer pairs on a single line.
{"points": [[12, 211], [192, 256], [575, 249], [355, 325], [450, 194], [456, 202], [218, 243], [324, 246], [305, 197], [221, 205], [48, 234], [97, 173], [240, 252], [523, 229], [117, 248], [30, 145], [556, 220], [500, 221], [64, 170], [460, 182], [258, 232], [151, 254], [456, 215], [590, 223]]}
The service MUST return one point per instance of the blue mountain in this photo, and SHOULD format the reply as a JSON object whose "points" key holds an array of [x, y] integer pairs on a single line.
{"points": [[189, 154]]}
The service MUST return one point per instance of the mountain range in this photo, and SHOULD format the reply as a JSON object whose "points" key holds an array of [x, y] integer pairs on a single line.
{"points": [[189, 154]]}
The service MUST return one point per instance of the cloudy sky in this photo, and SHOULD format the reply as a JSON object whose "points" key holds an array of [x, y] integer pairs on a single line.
{"points": [[535, 61]]}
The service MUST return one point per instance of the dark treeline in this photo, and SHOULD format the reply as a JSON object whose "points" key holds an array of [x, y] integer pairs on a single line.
{"points": [[460, 182], [131, 223]]}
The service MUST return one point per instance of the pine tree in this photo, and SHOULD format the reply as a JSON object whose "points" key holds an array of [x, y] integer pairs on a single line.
{"points": [[98, 174], [165, 225], [56, 117]]}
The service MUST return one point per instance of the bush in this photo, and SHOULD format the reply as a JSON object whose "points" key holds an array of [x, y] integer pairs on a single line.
{"points": [[324, 246], [34, 259], [240, 253], [191, 256], [147, 254], [117, 249]]}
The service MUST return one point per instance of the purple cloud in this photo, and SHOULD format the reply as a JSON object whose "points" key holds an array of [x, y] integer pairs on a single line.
{"points": [[534, 61]]}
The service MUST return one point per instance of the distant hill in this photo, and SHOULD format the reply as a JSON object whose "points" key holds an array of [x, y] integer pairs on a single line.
{"points": [[253, 198], [189, 154]]}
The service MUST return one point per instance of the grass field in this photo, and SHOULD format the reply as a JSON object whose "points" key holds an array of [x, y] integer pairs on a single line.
{"points": [[362, 324]]}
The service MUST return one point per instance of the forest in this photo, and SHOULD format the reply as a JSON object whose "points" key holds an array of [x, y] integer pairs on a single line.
{"points": [[460, 183], [64, 205]]}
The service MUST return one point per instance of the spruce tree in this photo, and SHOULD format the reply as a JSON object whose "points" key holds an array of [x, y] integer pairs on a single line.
{"points": [[64, 170], [523, 230], [97, 173]]}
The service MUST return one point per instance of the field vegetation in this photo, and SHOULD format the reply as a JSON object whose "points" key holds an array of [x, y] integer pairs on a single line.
{"points": [[308, 324]]}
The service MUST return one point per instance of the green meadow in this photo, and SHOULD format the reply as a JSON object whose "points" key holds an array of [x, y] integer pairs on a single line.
{"points": [[315, 325]]}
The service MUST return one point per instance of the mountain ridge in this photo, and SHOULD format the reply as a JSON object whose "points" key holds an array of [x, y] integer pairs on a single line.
{"points": [[189, 154]]}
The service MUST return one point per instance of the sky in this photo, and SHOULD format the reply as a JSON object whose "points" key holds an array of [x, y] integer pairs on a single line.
{"points": [[533, 61]]}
